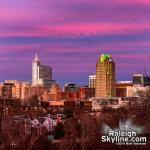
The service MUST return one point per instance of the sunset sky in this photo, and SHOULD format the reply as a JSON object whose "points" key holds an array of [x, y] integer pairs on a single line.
{"points": [[70, 35]]}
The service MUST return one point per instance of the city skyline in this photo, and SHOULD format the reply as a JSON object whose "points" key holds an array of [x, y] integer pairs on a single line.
{"points": [[70, 36]]}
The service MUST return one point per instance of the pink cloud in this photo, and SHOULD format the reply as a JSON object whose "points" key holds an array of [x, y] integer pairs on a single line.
{"points": [[78, 29]]}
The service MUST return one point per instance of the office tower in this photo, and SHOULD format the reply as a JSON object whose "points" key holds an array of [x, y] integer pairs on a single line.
{"points": [[35, 70], [105, 77], [41, 75], [92, 81]]}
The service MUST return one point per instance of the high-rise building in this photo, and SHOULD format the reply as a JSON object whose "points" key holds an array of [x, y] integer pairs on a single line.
{"points": [[41, 75], [105, 77], [92, 81], [35, 65]]}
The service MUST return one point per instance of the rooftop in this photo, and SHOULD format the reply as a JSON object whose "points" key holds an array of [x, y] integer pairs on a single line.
{"points": [[105, 57]]}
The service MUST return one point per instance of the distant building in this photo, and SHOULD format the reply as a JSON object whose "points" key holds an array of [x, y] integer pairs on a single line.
{"points": [[25, 90], [38, 91], [7, 90], [13, 89], [98, 104], [52, 94], [41, 75], [71, 87], [55, 92], [75, 96], [141, 82], [18, 89], [46, 96], [72, 91], [92, 81], [105, 77], [124, 89], [1, 86], [63, 95], [86, 92]]}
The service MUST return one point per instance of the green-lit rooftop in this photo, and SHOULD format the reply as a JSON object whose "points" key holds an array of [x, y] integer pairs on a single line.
{"points": [[105, 57]]}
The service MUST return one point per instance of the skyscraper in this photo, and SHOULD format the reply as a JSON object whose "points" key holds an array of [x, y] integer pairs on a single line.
{"points": [[35, 65], [41, 75], [105, 77]]}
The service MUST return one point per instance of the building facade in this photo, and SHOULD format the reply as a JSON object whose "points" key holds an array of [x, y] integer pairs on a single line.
{"points": [[99, 104], [141, 80], [124, 89], [105, 77], [92, 81], [71, 87], [86, 93]]}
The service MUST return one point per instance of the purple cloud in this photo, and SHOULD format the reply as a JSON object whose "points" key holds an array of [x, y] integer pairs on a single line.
{"points": [[70, 35]]}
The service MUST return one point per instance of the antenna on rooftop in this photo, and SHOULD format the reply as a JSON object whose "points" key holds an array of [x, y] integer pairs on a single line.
{"points": [[144, 67]]}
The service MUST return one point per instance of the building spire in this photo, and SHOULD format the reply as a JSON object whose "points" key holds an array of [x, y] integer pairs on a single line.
{"points": [[36, 57]]}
